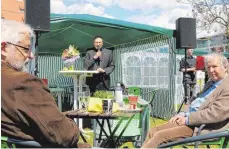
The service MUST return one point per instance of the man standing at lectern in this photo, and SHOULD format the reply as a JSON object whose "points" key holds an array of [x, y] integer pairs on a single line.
{"points": [[190, 64], [100, 59]]}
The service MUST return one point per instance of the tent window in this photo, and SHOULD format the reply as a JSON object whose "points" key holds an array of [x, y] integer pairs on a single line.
{"points": [[148, 68], [163, 74], [149, 71], [133, 70]]}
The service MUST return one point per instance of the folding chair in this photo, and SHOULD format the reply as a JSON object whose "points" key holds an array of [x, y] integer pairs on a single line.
{"points": [[150, 102], [7, 142], [136, 130], [139, 126], [216, 141], [221, 134], [129, 130], [134, 91]]}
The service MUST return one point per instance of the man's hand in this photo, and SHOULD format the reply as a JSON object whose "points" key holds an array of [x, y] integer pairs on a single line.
{"points": [[174, 119], [189, 69], [178, 119], [183, 70], [98, 54], [181, 121], [100, 70]]}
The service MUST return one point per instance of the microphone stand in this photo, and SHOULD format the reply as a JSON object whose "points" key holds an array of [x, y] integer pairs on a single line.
{"points": [[185, 83]]}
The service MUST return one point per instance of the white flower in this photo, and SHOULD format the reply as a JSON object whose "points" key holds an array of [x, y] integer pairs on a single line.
{"points": [[71, 48]]}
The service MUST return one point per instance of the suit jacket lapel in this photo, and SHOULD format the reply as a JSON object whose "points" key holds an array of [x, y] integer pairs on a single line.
{"points": [[102, 62], [215, 93], [207, 86]]}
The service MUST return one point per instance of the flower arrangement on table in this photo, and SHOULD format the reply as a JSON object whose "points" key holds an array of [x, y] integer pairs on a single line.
{"points": [[70, 57]]}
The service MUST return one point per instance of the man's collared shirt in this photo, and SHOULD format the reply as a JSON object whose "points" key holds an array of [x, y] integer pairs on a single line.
{"points": [[199, 100]]}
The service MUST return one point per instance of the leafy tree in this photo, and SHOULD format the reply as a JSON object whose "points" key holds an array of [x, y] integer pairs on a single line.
{"points": [[210, 13]]}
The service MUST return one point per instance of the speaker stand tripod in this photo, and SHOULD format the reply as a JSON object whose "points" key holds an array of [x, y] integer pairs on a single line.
{"points": [[185, 83]]}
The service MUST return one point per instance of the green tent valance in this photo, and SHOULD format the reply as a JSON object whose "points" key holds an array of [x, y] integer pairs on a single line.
{"points": [[80, 29]]}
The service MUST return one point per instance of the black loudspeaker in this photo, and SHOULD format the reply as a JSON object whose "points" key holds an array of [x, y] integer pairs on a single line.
{"points": [[37, 14], [185, 33]]}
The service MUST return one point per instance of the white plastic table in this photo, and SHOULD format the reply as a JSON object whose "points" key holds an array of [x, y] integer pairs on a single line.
{"points": [[78, 77]]}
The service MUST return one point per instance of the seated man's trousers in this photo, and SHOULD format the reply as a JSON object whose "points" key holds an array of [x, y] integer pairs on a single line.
{"points": [[165, 133]]}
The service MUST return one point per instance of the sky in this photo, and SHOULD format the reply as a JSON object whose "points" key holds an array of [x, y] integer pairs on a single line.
{"points": [[162, 13]]}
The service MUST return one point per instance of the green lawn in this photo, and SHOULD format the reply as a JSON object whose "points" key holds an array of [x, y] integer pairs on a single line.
{"points": [[157, 122], [153, 123]]}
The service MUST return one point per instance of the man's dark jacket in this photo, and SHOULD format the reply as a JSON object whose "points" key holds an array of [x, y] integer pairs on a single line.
{"points": [[105, 62]]}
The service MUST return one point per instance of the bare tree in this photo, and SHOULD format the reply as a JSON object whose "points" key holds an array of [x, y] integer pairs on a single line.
{"points": [[211, 14]]}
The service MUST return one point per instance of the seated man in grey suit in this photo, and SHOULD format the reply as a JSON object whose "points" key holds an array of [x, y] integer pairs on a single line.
{"points": [[210, 107], [100, 59]]}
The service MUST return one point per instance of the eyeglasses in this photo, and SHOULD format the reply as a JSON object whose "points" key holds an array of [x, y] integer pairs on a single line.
{"points": [[27, 50]]}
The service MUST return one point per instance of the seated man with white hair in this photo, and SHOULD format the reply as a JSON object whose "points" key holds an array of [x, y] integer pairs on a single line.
{"points": [[210, 107], [28, 110]]}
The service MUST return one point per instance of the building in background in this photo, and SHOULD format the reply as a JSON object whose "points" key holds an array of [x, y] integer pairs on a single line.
{"points": [[13, 10], [218, 43]]}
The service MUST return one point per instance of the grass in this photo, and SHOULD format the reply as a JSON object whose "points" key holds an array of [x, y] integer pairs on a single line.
{"points": [[157, 122], [153, 123]]}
